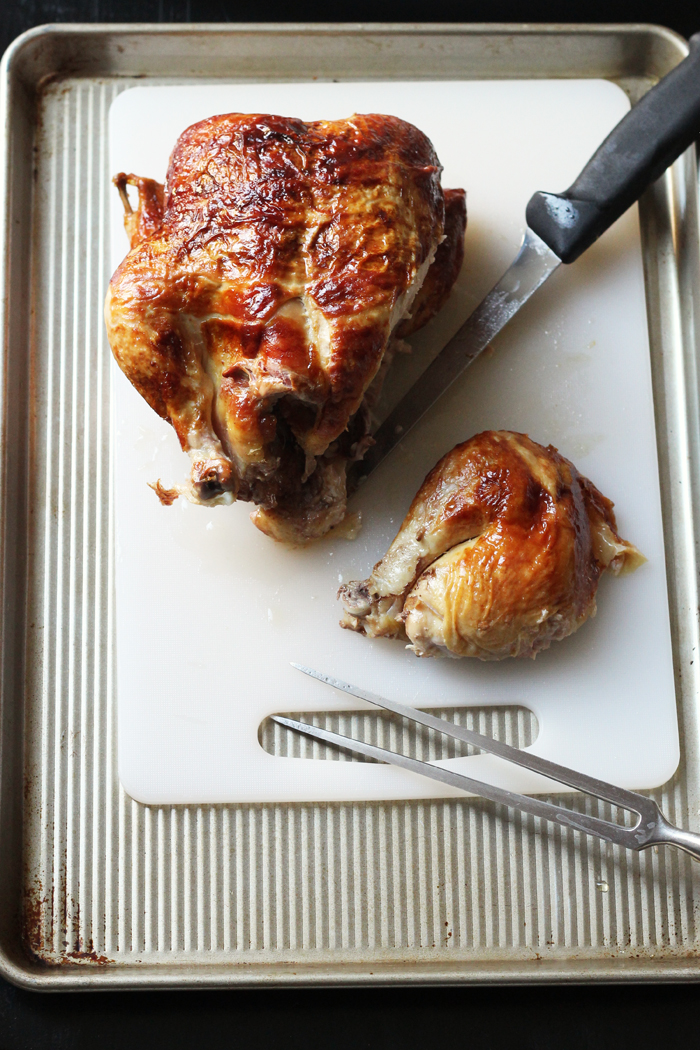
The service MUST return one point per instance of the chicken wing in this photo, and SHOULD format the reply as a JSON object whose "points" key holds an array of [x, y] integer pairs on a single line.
{"points": [[499, 555], [265, 282]]}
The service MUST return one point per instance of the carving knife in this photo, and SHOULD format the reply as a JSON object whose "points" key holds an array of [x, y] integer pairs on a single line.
{"points": [[560, 227]]}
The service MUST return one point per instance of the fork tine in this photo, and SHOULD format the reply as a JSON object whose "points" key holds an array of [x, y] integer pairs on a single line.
{"points": [[621, 836], [562, 774]]}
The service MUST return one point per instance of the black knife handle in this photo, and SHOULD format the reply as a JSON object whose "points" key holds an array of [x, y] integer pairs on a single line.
{"points": [[636, 152]]}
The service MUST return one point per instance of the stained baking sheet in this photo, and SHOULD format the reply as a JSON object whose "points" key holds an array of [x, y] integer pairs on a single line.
{"points": [[99, 891]]}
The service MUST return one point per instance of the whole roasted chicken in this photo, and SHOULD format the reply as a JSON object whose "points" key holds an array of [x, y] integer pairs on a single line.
{"points": [[267, 282], [499, 555]]}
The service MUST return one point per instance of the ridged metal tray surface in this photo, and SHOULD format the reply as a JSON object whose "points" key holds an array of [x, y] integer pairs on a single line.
{"points": [[99, 891]]}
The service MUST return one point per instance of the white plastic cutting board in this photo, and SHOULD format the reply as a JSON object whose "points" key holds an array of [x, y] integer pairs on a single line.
{"points": [[210, 612]]}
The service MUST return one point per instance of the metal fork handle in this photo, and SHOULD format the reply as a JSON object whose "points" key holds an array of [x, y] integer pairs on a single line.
{"points": [[667, 834]]}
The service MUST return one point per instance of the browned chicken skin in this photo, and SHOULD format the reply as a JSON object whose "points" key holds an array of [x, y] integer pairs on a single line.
{"points": [[264, 285], [499, 555]]}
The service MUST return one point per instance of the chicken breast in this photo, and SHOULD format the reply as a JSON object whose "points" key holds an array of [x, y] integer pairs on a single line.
{"points": [[499, 555], [265, 283]]}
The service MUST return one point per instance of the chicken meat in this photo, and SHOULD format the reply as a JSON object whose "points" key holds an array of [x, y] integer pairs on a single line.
{"points": [[267, 281], [499, 555]]}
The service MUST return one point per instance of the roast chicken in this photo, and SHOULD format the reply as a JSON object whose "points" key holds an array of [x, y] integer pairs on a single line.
{"points": [[499, 555], [267, 282]]}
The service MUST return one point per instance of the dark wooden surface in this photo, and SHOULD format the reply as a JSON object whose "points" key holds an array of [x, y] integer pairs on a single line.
{"points": [[588, 1018], [525, 1018], [18, 15]]}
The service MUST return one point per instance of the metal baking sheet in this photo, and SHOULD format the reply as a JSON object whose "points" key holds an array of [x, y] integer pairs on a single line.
{"points": [[99, 891]]}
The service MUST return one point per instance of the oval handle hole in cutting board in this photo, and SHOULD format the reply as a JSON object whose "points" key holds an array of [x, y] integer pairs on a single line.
{"points": [[512, 724]]}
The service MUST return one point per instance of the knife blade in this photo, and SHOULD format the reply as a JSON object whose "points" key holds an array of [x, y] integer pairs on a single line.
{"points": [[531, 267], [560, 228]]}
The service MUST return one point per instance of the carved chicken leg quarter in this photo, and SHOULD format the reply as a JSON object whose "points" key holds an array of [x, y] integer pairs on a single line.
{"points": [[499, 555], [268, 281]]}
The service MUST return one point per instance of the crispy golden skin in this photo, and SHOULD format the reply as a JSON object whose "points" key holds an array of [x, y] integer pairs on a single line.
{"points": [[262, 289], [499, 555]]}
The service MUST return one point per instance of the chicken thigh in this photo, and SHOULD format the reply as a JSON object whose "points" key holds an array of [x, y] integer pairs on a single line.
{"points": [[265, 283], [499, 555]]}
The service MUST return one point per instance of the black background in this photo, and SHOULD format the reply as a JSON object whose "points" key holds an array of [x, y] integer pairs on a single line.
{"points": [[569, 1017]]}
